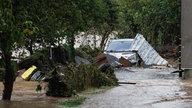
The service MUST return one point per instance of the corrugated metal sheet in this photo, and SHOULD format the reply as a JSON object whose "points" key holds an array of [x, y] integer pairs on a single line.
{"points": [[146, 51]]}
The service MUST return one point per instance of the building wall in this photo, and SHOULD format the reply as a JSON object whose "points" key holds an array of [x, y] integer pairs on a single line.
{"points": [[186, 34]]}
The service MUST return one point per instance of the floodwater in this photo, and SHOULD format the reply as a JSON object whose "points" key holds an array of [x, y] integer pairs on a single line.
{"points": [[154, 88], [25, 96]]}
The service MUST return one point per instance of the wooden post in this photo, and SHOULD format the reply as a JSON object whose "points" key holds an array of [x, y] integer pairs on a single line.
{"points": [[179, 53]]}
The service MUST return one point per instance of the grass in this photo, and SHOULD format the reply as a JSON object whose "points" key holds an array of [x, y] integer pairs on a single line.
{"points": [[96, 90], [73, 102]]}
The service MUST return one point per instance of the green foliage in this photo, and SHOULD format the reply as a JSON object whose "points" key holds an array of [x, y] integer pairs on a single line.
{"points": [[87, 52], [157, 20], [113, 20], [106, 78], [73, 102], [49, 21], [92, 52], [57, 86], [66, 80], [40, 59], [10, 31], [10, 36]]}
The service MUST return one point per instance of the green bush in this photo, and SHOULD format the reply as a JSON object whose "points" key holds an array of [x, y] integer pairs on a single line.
{"points": [[58, 87]]}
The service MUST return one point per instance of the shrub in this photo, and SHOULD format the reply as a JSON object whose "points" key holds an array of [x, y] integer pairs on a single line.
{"points": [[58, 88]]}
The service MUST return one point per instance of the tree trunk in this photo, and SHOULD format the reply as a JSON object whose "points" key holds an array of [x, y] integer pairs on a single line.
{"points": [[9, 77], [72, 48], [105, 36], [30, 48]]}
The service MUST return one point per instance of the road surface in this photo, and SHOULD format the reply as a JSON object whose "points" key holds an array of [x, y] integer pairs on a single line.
{"points": [[154, 88]]}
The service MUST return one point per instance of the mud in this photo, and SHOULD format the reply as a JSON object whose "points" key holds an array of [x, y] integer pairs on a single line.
{"points": [[154, 88]]}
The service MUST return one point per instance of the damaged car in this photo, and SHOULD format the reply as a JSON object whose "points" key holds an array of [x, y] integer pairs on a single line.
{"points": [[121, 48], [137, 51]]}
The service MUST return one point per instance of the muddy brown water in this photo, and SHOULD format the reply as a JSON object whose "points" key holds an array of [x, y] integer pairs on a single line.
{"points": [[25, 96], [154, 88]]}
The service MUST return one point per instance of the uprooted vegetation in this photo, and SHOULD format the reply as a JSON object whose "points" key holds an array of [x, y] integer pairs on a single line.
{"points": [[66, 79], [74, 79]]}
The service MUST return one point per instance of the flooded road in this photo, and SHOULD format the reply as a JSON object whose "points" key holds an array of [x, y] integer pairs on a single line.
{"points": [[154, 88], [25, 96]]}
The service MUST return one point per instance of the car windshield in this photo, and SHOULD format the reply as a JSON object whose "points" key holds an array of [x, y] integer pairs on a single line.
{"points": [[119, 46]]}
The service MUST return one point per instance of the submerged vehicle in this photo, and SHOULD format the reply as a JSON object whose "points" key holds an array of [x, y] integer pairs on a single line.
{"points": [[26, 75], [121, 48]]}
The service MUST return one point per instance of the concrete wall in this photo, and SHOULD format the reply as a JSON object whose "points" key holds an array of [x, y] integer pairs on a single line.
{"points": [[186, 34]]}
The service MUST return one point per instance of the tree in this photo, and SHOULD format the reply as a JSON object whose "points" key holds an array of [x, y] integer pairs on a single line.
{"points": [[50, 21], [111, 22], [157, 20], [9, 36]]}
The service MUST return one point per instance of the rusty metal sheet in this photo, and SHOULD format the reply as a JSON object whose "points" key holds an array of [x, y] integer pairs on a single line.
{"points": [[125, 62], [146, 51]]}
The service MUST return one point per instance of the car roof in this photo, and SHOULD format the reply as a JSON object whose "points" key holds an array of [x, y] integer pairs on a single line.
{"points": [[113, 40]]}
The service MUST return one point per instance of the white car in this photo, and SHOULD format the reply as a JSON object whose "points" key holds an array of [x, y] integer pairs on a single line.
{"points": [[120, 48]]}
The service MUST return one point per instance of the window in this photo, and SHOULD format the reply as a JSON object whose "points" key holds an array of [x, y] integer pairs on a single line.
{"points": [[119, 46]]}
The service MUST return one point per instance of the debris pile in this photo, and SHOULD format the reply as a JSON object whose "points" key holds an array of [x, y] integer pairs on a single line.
{"points": [[64, 77]]}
